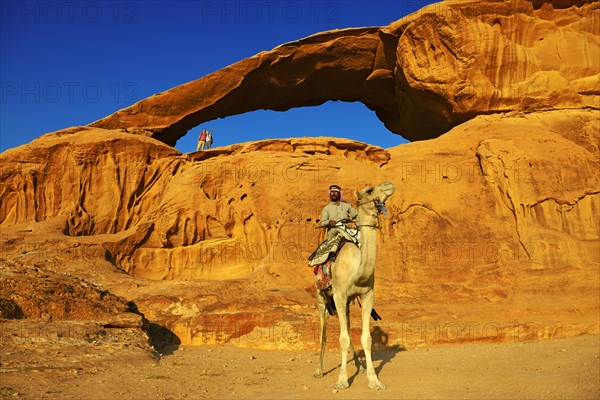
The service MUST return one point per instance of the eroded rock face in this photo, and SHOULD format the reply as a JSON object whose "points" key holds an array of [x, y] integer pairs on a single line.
{"points": [[162, 202], [494, 222], [42, 307], [36, 293], [492, 235], [422, 74], [47, 177]]}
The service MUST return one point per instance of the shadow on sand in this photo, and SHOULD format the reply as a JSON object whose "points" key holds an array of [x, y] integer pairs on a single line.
{"points": [[9, 309], [163, 339], [380, 351]]}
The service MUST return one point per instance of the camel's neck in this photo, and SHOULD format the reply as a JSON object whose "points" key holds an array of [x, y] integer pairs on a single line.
{"points": [[368, 249]]}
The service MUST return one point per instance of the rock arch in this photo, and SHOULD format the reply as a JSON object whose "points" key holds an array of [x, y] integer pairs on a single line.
{"points": [[418, 74]]}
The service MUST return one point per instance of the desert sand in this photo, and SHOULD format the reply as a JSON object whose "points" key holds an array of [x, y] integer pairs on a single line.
{"points": [[557, 369]]}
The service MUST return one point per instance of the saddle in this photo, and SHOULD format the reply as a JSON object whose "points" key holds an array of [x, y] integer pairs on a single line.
{"points": [[322, 270], [330, 248], [323, 258]]}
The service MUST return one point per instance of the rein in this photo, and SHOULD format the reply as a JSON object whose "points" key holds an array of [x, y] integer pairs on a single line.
{"points": [[377, 225]]}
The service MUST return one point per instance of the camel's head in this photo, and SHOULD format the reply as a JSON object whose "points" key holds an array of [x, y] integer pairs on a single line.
{"points": [[372, 199]]}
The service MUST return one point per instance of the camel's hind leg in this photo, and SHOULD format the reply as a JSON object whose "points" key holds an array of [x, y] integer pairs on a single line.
{"points": [[367, 306], [322, 332]]}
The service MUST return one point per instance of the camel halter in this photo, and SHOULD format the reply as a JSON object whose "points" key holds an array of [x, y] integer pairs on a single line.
{"points": [[380, 209]]}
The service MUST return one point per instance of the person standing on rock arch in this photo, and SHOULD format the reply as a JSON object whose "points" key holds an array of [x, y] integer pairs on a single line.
{"points": [[209, 139], [201, 140]]}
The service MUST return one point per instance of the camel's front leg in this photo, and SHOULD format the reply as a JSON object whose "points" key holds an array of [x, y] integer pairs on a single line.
{"points": [[367, 306], [341, 303], [322, 332], [354, 353]]}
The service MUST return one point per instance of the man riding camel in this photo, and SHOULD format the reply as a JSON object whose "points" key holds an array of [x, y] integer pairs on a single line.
{"points": [[337, 212], [335, 218]]}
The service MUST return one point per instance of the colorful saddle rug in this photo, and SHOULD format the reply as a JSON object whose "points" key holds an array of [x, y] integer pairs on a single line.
{"points": [[329, 249], [323, 275]]}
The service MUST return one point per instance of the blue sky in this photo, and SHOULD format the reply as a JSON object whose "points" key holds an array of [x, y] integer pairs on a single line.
{"points": [[73, 62]]}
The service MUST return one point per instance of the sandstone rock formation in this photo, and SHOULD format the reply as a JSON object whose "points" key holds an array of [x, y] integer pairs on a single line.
{"points": [[422, 74], [51, 319], [495, 223], [492, 235], [33, 292]]}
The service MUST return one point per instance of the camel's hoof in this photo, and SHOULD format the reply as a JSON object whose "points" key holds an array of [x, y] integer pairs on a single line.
{"points": [[341, 385], [318, 374], [377, 385]]}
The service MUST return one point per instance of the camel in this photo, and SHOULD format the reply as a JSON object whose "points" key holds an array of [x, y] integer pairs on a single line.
{"points": [[354, 276]]}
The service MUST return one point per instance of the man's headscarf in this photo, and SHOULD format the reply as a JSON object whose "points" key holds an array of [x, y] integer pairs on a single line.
{"points": [[336, 188]]}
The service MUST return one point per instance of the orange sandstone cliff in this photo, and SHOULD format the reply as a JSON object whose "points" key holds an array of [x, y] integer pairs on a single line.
{"points": [[493, 233]]}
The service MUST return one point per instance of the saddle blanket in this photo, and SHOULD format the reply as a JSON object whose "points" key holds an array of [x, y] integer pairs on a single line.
{"points": [[331, 246], [323, 275]]}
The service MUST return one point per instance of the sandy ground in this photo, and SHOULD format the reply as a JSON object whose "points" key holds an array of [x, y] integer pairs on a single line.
{"points": [[557, 369]]}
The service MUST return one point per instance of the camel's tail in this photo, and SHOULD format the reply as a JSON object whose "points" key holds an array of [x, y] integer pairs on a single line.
{"points": [[374, 315], [330, 305]]}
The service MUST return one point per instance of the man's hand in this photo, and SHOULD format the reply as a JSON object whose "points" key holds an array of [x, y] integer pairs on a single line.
{"points": [[332, 222]]}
